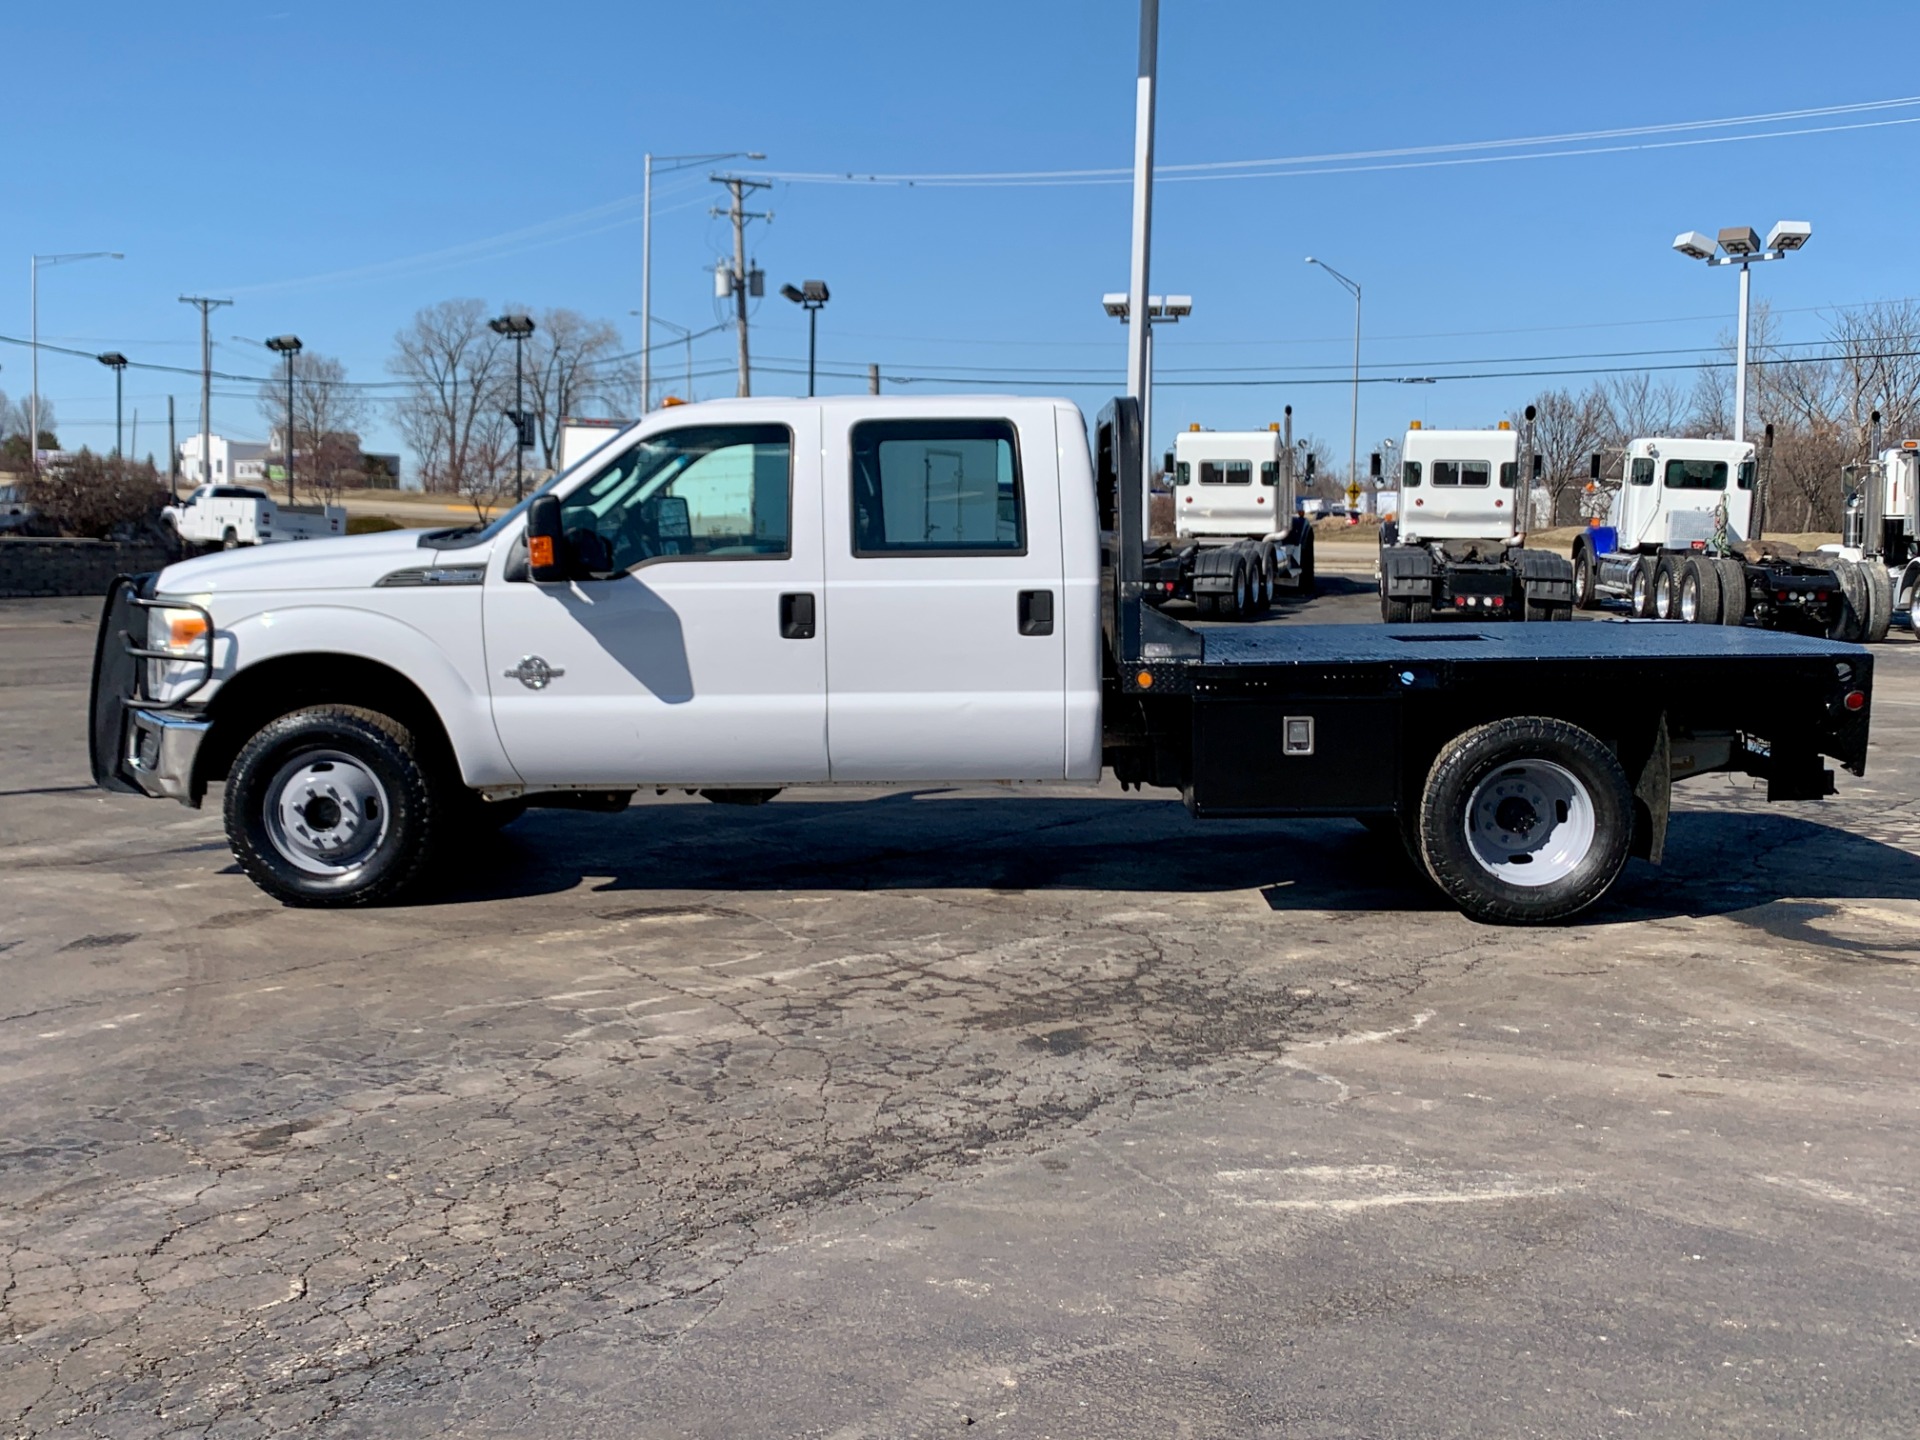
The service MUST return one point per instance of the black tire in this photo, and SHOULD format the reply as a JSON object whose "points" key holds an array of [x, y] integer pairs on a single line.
{"points": [[1640, 597], [1420, 612], [377, 759], [1666, 589], [1257, 589], [1534, 610], [1699, 598], [1848, 619], [1537, 762], [1240, 601], [1733, 591], [1206, 605], [1270, 554], [230, 539], [1583, 576], [1306, 582], [1879, 599], [1394, 612], [1560, 610]]}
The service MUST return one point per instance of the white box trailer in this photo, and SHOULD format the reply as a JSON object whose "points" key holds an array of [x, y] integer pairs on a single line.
{"points": [[580, 438]]}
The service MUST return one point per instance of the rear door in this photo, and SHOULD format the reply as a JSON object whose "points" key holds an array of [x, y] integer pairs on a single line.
{"points": [[945, 628]]}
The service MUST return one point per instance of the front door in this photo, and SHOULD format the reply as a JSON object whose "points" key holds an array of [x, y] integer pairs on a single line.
{"points": [[694, 655], [946, 636]]}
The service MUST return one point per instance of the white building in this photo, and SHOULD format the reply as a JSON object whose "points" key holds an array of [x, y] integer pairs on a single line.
{"points": [[235, 462]]}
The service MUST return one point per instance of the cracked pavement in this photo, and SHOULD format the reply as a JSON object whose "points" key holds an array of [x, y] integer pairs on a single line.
{"points": [[868, 1114]]}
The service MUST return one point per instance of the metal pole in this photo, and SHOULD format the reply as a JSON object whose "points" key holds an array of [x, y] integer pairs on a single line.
{"points": [[1139, 364], [119, 374], [689, 395], [813, 325], [1353, 436], [873, 379], [519, 421], [1740, 366], [173, 456], [33, 399], [289, 427], [1146, 421], [646, 287]]}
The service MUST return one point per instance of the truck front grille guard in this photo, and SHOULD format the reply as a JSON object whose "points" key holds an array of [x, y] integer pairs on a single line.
{"points": [[204, 661]]}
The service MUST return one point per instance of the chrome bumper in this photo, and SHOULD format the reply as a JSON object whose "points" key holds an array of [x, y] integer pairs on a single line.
{"points": [[161, 749]]}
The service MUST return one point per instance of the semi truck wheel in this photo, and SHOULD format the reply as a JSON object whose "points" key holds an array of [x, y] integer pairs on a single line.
{"points": [[331, 806], [1641, 602], [1879, 599], [1525, 821], [1700, 591], [1583, 577], [1419, 612], [1666, 589], [1394, 612], [1238, 604], [1733, 591]]}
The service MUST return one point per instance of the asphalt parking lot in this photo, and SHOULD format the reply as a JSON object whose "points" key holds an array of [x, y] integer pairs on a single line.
{"points": [[876, 1115]]}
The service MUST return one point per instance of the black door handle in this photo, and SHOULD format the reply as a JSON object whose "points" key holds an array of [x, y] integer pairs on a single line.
{"points": [[1036, 612], [796, 616]]}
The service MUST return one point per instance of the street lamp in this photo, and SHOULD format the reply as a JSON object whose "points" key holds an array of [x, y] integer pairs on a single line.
{"points": [[33, 400], [811, 295], [289, 346], [517, 327], [1353, 443], [667, 164], [1741, 246], [116, 362], [1161, 310]]}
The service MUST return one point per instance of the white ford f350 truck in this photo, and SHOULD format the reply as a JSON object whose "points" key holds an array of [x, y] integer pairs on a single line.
{"points": [[742, 596], [229, 516]]}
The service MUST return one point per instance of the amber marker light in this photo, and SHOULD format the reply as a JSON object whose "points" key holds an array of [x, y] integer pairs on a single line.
{"points": [[1144, 679], [540, 550]]}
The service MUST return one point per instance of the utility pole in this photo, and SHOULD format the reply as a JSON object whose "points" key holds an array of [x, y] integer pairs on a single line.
{"points": [[741, 282], [173, 456], [206, 308], [873, 379]]}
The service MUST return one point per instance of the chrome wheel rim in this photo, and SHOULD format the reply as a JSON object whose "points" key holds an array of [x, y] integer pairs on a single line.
{"points": [[1689, 601], [1663, 595], [1640, 592], [1530, 823], [326, 812]]}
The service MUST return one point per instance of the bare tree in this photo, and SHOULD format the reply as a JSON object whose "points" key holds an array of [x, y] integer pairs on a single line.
{"points": [[1879, 364], [459, 378], [1567, 429], [570, 371], [328, 413], [1640, 405]]}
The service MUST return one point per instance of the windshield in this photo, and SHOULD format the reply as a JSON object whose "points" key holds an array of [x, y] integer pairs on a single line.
{"points": [[1696, 474], [479, 534]]}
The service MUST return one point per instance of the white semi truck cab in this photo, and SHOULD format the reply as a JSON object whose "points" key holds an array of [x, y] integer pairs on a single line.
{"points": [[1683, 541], [742, 596], [1231, 485], [1881, 525], [1458, 542]]}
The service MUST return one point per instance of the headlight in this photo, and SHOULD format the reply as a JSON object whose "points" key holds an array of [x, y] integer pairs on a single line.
{"points": [[177, 631]]}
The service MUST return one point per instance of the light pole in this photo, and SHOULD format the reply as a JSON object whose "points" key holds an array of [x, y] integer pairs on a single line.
{"points": [[1353, 441], [1161, 310], [517, 327], [687, 337], [289, 346], [117, 363], [33, 400], [1741, 246], [811, 295], [666, 164]]}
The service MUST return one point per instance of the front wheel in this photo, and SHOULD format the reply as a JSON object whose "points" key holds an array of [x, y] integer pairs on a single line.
{"points": [[1583, 578], [330, 806], [1525, 821], [1641, 604]]}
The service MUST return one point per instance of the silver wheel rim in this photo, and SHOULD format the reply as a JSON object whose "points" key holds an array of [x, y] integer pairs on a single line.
{"points": [[1531, 823], [1663, 595], [1689, 602], [1239, 589], [326, 813], [1640, 592]]}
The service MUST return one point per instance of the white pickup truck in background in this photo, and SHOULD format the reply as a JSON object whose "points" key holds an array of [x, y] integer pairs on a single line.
{"points": [[229, 516]]}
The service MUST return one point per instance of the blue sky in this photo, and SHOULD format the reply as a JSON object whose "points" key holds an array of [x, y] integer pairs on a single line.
{"points": [[245, 150]]}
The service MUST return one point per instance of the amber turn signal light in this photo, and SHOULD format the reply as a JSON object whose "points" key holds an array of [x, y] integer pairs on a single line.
{"points": [[540, 550]]}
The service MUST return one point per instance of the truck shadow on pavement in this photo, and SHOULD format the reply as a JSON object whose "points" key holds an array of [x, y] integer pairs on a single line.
{"points": [[1719, 862]]}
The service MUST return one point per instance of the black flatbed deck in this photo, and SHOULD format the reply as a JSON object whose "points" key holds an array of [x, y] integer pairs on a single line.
{"points": [[1598, 640]]}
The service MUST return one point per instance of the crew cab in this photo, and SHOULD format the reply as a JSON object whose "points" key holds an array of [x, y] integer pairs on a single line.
{"points": [[740, 596], [230, 516]]}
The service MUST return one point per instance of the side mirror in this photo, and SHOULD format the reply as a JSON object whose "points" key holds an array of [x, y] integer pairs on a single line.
{"points": [[1373, 467], [1594, 471], [1166, 466], [546, 548], [1539, 465]]}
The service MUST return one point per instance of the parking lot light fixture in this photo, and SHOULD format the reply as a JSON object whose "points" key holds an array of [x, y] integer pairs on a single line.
{"points": [[117, 363], [811, 295], [1741, 245], [517, 326], [288, 346]]}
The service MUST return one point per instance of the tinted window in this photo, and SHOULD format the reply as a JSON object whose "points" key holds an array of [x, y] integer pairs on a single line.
{"points": [[937, 487], [1182, 473], [1643, 472], [1746, 475], [1509, 474], [1696, 474], [1462, 472], [719, 491], [1269, 472], [1410, 474], [1226, 472]]}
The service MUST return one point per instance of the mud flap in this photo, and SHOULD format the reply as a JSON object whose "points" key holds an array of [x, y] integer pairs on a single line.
{"points": [[1653, 797]]}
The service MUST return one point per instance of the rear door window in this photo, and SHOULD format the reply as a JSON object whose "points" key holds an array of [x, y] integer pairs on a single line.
{"points": [[1696, 474], [937, 487], [1462, 472]]}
